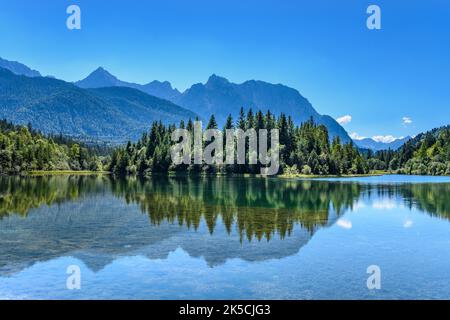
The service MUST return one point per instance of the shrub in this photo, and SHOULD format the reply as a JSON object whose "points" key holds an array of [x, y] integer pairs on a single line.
{"points": [[306, 170]]}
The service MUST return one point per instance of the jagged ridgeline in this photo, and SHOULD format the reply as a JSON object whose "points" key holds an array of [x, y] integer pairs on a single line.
{"points": [[304, 149], [114, 114]]}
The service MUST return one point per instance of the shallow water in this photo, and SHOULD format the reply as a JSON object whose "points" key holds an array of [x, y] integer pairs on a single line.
{"points": [[225, 237]]}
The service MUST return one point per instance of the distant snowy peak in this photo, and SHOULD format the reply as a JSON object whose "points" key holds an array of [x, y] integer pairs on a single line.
{"points": [[369, 143]]}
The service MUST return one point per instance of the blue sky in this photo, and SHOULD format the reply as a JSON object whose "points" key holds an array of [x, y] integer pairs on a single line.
{"points": [[322, 48]]}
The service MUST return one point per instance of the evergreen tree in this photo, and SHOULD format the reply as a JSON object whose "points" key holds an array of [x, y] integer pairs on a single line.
{"points": [[212, 124]]}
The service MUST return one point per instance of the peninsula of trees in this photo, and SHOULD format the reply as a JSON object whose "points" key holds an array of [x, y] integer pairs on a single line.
{"points": [[304, 150]]}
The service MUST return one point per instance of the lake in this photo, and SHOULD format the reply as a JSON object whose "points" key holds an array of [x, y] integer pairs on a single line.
{"points": [[224, 237]]}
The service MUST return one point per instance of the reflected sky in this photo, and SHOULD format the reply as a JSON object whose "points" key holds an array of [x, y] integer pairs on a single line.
{"points": [[228, 238]]}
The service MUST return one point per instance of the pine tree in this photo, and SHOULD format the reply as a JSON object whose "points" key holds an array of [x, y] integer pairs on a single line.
{"points": [[241, 122], [212, 124]]}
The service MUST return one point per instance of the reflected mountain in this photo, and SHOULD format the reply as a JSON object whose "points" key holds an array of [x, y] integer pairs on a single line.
{"points": [[98, 218]]}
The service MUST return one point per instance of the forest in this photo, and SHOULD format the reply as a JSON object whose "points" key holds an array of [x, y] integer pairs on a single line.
{"points": [[426, 154], [304, 150], [23, 149]]}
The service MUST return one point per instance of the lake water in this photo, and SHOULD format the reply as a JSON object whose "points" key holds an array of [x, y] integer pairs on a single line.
{"points": [[225, 237]]}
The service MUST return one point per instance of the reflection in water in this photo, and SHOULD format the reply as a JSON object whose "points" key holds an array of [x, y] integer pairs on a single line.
{"points": [[97, 218], [18, 195], [259, 207]]}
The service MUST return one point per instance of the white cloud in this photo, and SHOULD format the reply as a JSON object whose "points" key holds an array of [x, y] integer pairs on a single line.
{"points": [[384, 204], [408, 223], [344, 223], [358, 205], [344, 119], [384, 139], [356, 136], [407, 120]]}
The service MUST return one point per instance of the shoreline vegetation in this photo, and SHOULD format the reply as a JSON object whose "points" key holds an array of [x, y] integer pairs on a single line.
{"points": [[203, 174], [306, 151], [303, 176], [64, 172], [175, 174]]}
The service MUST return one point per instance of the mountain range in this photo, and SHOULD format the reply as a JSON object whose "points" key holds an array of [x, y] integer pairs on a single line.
{"points": [[221, 97], [55, 106], [101, 78], [18, 68], [104, 107], [369, 143]]}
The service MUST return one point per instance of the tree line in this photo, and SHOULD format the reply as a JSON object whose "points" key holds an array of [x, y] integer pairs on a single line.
{"points": [[304, 149], [23, 149], [426, 154]]}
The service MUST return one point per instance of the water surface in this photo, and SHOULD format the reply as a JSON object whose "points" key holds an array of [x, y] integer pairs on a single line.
{"points": [[224, 237]]}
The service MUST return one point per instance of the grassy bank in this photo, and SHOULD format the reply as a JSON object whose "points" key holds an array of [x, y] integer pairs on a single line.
{"points": [[65, 172], [315, 176], [297, 175]]}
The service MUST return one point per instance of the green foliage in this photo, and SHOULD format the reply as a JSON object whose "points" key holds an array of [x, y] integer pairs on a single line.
{"points": [[306, 170], [109, 114], [306, 147], [23, 149], [291, 171], [426, 154]]}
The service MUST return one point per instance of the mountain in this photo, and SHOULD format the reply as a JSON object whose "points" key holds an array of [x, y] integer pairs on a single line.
{"points": [[54, 106], [435, 133], [221, 97], [218, 96], [373, 145], [428, 153], [136, 104], [102, 78], [161, 90], [18, 68]]}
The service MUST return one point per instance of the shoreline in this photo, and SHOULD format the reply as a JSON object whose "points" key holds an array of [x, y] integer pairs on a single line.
{"points": [[64, 172], [171, 174], [316, 176], [174, 174]]}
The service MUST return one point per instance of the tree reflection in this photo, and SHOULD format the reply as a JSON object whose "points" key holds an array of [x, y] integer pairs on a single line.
{"points": [[259, 208]]}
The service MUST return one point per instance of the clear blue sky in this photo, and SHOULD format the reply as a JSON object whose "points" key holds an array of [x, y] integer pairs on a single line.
{"points": [[322, 48]]}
